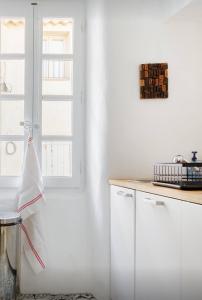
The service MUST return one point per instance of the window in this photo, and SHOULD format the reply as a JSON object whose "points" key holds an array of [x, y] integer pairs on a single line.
{"points": [[57, 80], [41, 81], [55, 70], [12, 95], [57, 39]]}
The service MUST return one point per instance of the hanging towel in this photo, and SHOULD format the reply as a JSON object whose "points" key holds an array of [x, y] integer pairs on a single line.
{"points": [[30, 201]]}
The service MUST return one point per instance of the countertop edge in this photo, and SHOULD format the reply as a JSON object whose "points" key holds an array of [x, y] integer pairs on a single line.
{"points": [[194, 197]]}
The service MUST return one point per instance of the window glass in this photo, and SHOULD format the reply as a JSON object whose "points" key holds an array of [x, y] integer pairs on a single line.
{"points": [[12, 35], [57, 118], [57, 77], [11, 114], [57, 158], [12, 77], [11, 154], [57, 36]]}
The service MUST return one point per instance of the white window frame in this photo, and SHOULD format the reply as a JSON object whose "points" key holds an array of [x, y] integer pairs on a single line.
{"points": [[33, 82], [18, 9]]}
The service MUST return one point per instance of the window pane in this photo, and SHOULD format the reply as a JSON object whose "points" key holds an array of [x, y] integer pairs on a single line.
{"points": [[11, 114], [57, 158], [61, 113], [13, 35], [57, 77], [12, 77], [57, 36], [11, 155]]}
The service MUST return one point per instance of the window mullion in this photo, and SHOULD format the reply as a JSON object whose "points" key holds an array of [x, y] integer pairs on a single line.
{"points": [[12, 98], [58, 138], [11, 137], [11, 56], [37, 75], [58, 57], [57, 98]]}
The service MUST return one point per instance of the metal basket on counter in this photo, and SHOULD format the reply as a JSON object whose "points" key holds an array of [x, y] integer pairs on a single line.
{"points": [[187, 176]]}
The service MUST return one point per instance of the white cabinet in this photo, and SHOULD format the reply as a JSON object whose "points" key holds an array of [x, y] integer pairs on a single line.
{"points": [[191, 251], [157, 247], [122, 243]]}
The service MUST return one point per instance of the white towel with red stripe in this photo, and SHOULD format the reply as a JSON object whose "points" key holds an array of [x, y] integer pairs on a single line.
{"points": [[30, 202]]}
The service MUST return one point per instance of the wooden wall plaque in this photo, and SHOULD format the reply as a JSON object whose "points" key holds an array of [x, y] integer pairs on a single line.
{"points": [[154, 81]]}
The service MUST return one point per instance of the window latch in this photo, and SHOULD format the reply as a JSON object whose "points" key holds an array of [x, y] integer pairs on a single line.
{"points": [[28, 125]]}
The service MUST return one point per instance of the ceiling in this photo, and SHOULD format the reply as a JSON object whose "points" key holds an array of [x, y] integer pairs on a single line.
{"points": [[191, 12]]}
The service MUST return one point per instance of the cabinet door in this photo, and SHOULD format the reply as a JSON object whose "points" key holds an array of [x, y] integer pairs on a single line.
{"points": [[157, 247], [122, 243], [191, 251]]}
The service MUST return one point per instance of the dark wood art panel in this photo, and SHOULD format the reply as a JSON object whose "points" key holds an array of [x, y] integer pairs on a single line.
{"points": [[153, 81]]}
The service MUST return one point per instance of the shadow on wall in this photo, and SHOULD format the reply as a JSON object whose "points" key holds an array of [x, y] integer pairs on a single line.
{"points": [[97, 160]]}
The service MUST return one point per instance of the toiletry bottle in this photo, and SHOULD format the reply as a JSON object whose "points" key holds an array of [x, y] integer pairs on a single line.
{"points": [[194, 158]]}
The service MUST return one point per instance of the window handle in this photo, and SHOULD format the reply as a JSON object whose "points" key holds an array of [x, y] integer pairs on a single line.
{"points": [[28, 125]]}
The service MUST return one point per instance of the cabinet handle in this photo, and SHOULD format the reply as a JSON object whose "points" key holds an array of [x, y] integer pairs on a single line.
{"points": [[160, 203], [129, 195], [154, 202], [122, 193], [149, 200]]}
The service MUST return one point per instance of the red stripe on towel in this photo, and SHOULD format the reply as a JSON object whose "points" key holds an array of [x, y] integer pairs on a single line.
{"points": [[30, 202], [32, 247]]}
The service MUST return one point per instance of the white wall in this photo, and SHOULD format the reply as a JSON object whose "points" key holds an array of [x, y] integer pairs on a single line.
{"points": [[68, 247], [145, 131], [68, 240], [97, 160], [125, 135]]}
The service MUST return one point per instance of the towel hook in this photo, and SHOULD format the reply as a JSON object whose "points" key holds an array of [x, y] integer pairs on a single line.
{"points": [[28, 125]]}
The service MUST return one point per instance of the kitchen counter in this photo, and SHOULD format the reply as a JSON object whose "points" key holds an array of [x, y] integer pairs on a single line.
{"points": [[148, 187]]}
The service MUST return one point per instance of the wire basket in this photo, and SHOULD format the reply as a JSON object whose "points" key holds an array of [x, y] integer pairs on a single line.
{"points": [[178, 175]]}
